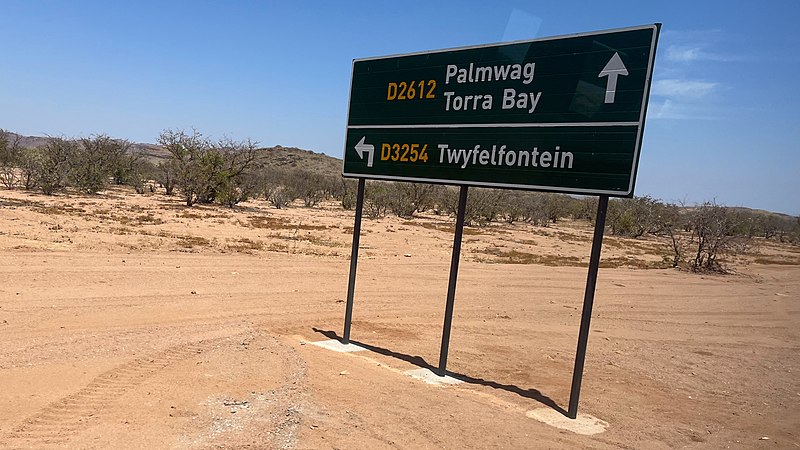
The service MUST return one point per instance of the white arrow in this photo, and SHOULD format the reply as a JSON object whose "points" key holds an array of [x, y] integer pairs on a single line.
{"points": [[612, 70], [361, 147]]}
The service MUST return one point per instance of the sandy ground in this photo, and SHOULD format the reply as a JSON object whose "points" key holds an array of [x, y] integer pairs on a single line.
{"points": [[133, 322]]}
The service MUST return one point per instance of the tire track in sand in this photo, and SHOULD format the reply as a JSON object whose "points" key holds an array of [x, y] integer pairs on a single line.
{"points": [[58, 422]]}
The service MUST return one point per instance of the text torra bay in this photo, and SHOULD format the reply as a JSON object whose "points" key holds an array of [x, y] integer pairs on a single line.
{"points": [[511, 99]]}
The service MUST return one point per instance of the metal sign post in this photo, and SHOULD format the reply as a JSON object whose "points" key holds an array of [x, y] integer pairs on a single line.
{"points": [[351, 284], [451, 286], [588, 301]]}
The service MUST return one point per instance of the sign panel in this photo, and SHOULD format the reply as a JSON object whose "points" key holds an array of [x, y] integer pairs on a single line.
{"points": [[558, 114]]}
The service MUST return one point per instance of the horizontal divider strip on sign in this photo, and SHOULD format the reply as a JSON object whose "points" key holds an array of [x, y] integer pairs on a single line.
{"points": [[502, 125]]}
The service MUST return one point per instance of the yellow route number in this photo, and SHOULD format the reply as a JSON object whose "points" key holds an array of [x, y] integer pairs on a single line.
{"points": [[404, 152], [422, 89]]}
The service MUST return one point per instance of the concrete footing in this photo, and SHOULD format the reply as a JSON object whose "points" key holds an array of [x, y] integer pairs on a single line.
{"points": [[429, 377], [583, 424], [337, 346]]}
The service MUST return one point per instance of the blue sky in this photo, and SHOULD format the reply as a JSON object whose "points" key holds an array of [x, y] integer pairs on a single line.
{"points": [[722, 123]]}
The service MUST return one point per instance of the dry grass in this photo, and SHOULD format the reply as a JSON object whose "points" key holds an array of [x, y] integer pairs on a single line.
{"points": [[777, 260], [634, 263], [104, 222], [310, 238], [447, 227], [182, 240], [571, 238], [122, 231], [517, 257], [189, 241], [644, 246], [276, 223], [53, 210], [139, 220], [245, 245], [349, 230], [197, 215]]}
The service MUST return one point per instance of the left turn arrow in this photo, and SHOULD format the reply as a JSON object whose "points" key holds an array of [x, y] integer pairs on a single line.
{"points": [[362, 147]]}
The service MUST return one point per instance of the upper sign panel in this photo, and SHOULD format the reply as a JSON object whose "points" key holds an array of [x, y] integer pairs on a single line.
{"points": [[599, 77]]}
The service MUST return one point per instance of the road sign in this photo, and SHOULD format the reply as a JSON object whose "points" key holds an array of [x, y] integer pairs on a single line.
{"points": [[559, 114]]}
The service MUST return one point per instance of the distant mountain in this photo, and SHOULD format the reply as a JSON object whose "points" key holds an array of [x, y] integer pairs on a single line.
{"points": [[30, 141], [277, 157], [762, 212], [297, 158]]}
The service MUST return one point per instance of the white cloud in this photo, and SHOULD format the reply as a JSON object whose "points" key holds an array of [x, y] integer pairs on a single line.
{"points": [[671, 110], [665, 110], [682, 54], [687, 89], [685, 55], [692, 53]]}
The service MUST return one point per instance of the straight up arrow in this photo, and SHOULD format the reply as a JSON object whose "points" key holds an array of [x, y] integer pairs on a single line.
{"points": [[361, 147], [612, 70]]}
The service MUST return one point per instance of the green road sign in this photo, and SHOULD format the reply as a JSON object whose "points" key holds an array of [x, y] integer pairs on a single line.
{"points": [[558, 114]]}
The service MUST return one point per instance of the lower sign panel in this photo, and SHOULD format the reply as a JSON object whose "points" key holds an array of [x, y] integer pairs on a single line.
{"points": [[586, 160]]}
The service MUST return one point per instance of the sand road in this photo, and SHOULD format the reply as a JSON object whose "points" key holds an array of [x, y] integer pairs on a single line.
{"points": [[104, 345]]}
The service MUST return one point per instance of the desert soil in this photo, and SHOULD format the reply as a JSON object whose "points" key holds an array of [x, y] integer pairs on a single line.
{"points": [[134, 322]]}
